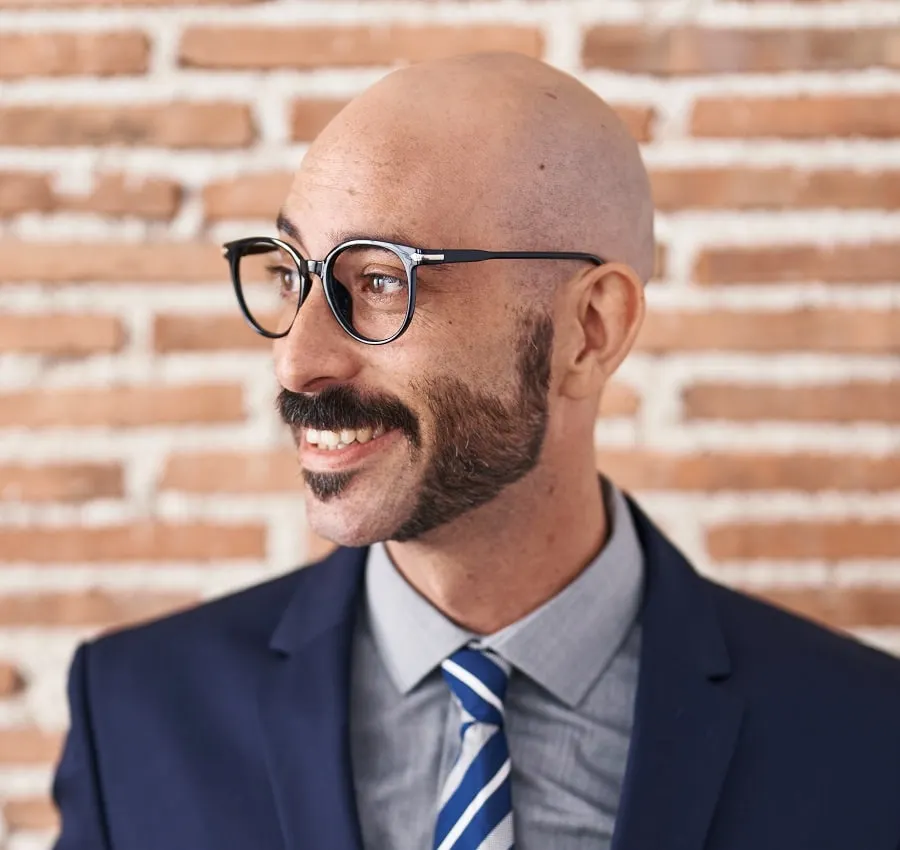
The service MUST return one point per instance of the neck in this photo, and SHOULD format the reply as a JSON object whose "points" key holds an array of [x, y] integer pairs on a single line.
{"points": [[484, 580]]}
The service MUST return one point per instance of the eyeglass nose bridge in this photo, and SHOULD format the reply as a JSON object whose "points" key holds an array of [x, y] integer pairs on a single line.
{"points": [[316, 267]]}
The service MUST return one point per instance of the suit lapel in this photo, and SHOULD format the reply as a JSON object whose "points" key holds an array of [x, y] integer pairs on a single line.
{"points": [[686, 717], [304, 706]]}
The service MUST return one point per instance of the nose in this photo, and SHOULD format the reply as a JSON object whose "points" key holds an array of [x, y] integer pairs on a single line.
{"points": [[317, 352]]}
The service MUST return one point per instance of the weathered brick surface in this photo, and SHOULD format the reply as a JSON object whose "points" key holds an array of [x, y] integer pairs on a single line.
{"points": [[698, 50], [121, 407], [809, 329], [114, 262], [95, 609], [170, 125], [805, 117], [774, 188], [802, 540], [12, 681], [60, 482], [109, 195], [875, 262], [759, 418], [28, 745], [271, 48], [859, 401], [27, 813], [714, 472], [60, 334], [61, 54], [136, 542]]}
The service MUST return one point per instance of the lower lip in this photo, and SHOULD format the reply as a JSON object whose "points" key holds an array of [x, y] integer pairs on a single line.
{"points": [[322, 460]]}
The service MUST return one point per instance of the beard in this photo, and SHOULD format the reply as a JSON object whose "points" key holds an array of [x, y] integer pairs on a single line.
{"points": [[482, 443]]}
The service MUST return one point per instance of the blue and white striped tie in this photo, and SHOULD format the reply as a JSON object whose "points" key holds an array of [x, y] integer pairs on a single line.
{"points": [[475, 811]]}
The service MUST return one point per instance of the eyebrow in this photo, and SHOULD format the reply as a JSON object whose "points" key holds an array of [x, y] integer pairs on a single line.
{"points": [[285, 225]]}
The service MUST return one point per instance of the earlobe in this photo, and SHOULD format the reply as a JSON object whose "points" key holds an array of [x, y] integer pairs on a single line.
{"points": [[610, 313]]}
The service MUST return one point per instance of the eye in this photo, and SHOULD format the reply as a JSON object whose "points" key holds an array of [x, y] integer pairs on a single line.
{"points": [[285, 277], [384, 284]]}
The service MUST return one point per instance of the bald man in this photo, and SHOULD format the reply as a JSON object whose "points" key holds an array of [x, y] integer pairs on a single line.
{"points": [[504, 651]]}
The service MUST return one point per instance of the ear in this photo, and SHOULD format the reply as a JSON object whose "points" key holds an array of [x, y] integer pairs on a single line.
{"points": [[609, 310]]}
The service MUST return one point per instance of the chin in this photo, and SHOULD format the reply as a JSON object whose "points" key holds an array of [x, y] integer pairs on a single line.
{"points": [[349, 525]]}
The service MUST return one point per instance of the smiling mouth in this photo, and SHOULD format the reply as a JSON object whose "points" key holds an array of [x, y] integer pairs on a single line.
{"points": [[337, 440]]}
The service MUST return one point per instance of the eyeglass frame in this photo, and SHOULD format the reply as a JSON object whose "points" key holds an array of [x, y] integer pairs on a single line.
{"points": [[411, 258]]}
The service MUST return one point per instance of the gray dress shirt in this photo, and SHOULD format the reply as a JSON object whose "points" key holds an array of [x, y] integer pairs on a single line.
{"points": [[569, 702]]}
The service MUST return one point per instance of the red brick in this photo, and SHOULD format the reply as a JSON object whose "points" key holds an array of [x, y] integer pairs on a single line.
{"points": [[12, 681], [59, 54], [829, 329], [838, 607], [119, 194], [353, 46], [63, 334], [30, 813], [24, 192], [111, 194], [713, 472], [122, 406], [113, 262], [88, 608], [233, 472], [871, 263], [638, 119], [29, 745], [804, 540], [206, 333], [837, 403], [169, 125], [310, 117], [774, 188], [148, 541], [247, 196], [60, 482], [802, 117], [667, 51], [619, 400]]}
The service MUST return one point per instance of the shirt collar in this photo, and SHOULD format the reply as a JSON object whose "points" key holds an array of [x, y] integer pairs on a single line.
{"points": [[411, 635], [564, 645]]}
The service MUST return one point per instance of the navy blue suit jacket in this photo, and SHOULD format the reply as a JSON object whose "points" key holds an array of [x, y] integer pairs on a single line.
{"points": [[225, 727]]}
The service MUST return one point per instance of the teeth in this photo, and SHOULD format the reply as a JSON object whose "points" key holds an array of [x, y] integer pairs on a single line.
{"points": [[332, 440]]}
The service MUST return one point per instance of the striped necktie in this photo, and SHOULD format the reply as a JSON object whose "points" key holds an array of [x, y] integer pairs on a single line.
{"points": [[475, 811]]}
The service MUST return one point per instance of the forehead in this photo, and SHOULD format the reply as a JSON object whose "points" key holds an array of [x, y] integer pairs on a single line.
{"points": [[386, 184], [342, 196]]}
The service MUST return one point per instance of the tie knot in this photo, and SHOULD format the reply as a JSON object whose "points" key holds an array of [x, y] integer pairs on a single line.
{"points": [[478, 680]]}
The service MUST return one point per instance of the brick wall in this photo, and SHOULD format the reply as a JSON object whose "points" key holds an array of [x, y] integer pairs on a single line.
{"points": [[141, 464]]}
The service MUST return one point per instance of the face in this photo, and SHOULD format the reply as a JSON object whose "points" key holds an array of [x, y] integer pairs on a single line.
{"points": [[396, 442]]}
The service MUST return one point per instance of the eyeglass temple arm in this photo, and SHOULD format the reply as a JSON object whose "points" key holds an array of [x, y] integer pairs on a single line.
{"points": [[437, 257]]}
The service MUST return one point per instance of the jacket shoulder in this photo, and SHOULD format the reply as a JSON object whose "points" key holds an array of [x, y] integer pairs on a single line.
{"points": [[243, 618], [766, 640]]}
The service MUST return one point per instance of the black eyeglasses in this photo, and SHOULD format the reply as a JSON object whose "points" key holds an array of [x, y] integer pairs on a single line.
{"points": [[369, 285]]}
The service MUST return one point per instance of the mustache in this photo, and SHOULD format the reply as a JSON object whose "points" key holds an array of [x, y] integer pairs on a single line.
{"points": [[341, 407]]}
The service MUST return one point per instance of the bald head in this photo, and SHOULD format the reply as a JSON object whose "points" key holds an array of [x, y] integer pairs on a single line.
{"points": [[494, 151]]}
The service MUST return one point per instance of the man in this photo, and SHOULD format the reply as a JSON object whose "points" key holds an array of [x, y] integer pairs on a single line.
{"points": [[526, 660]]}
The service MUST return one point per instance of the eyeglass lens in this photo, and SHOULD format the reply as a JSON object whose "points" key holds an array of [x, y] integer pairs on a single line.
{"points": [[369, 287]]}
